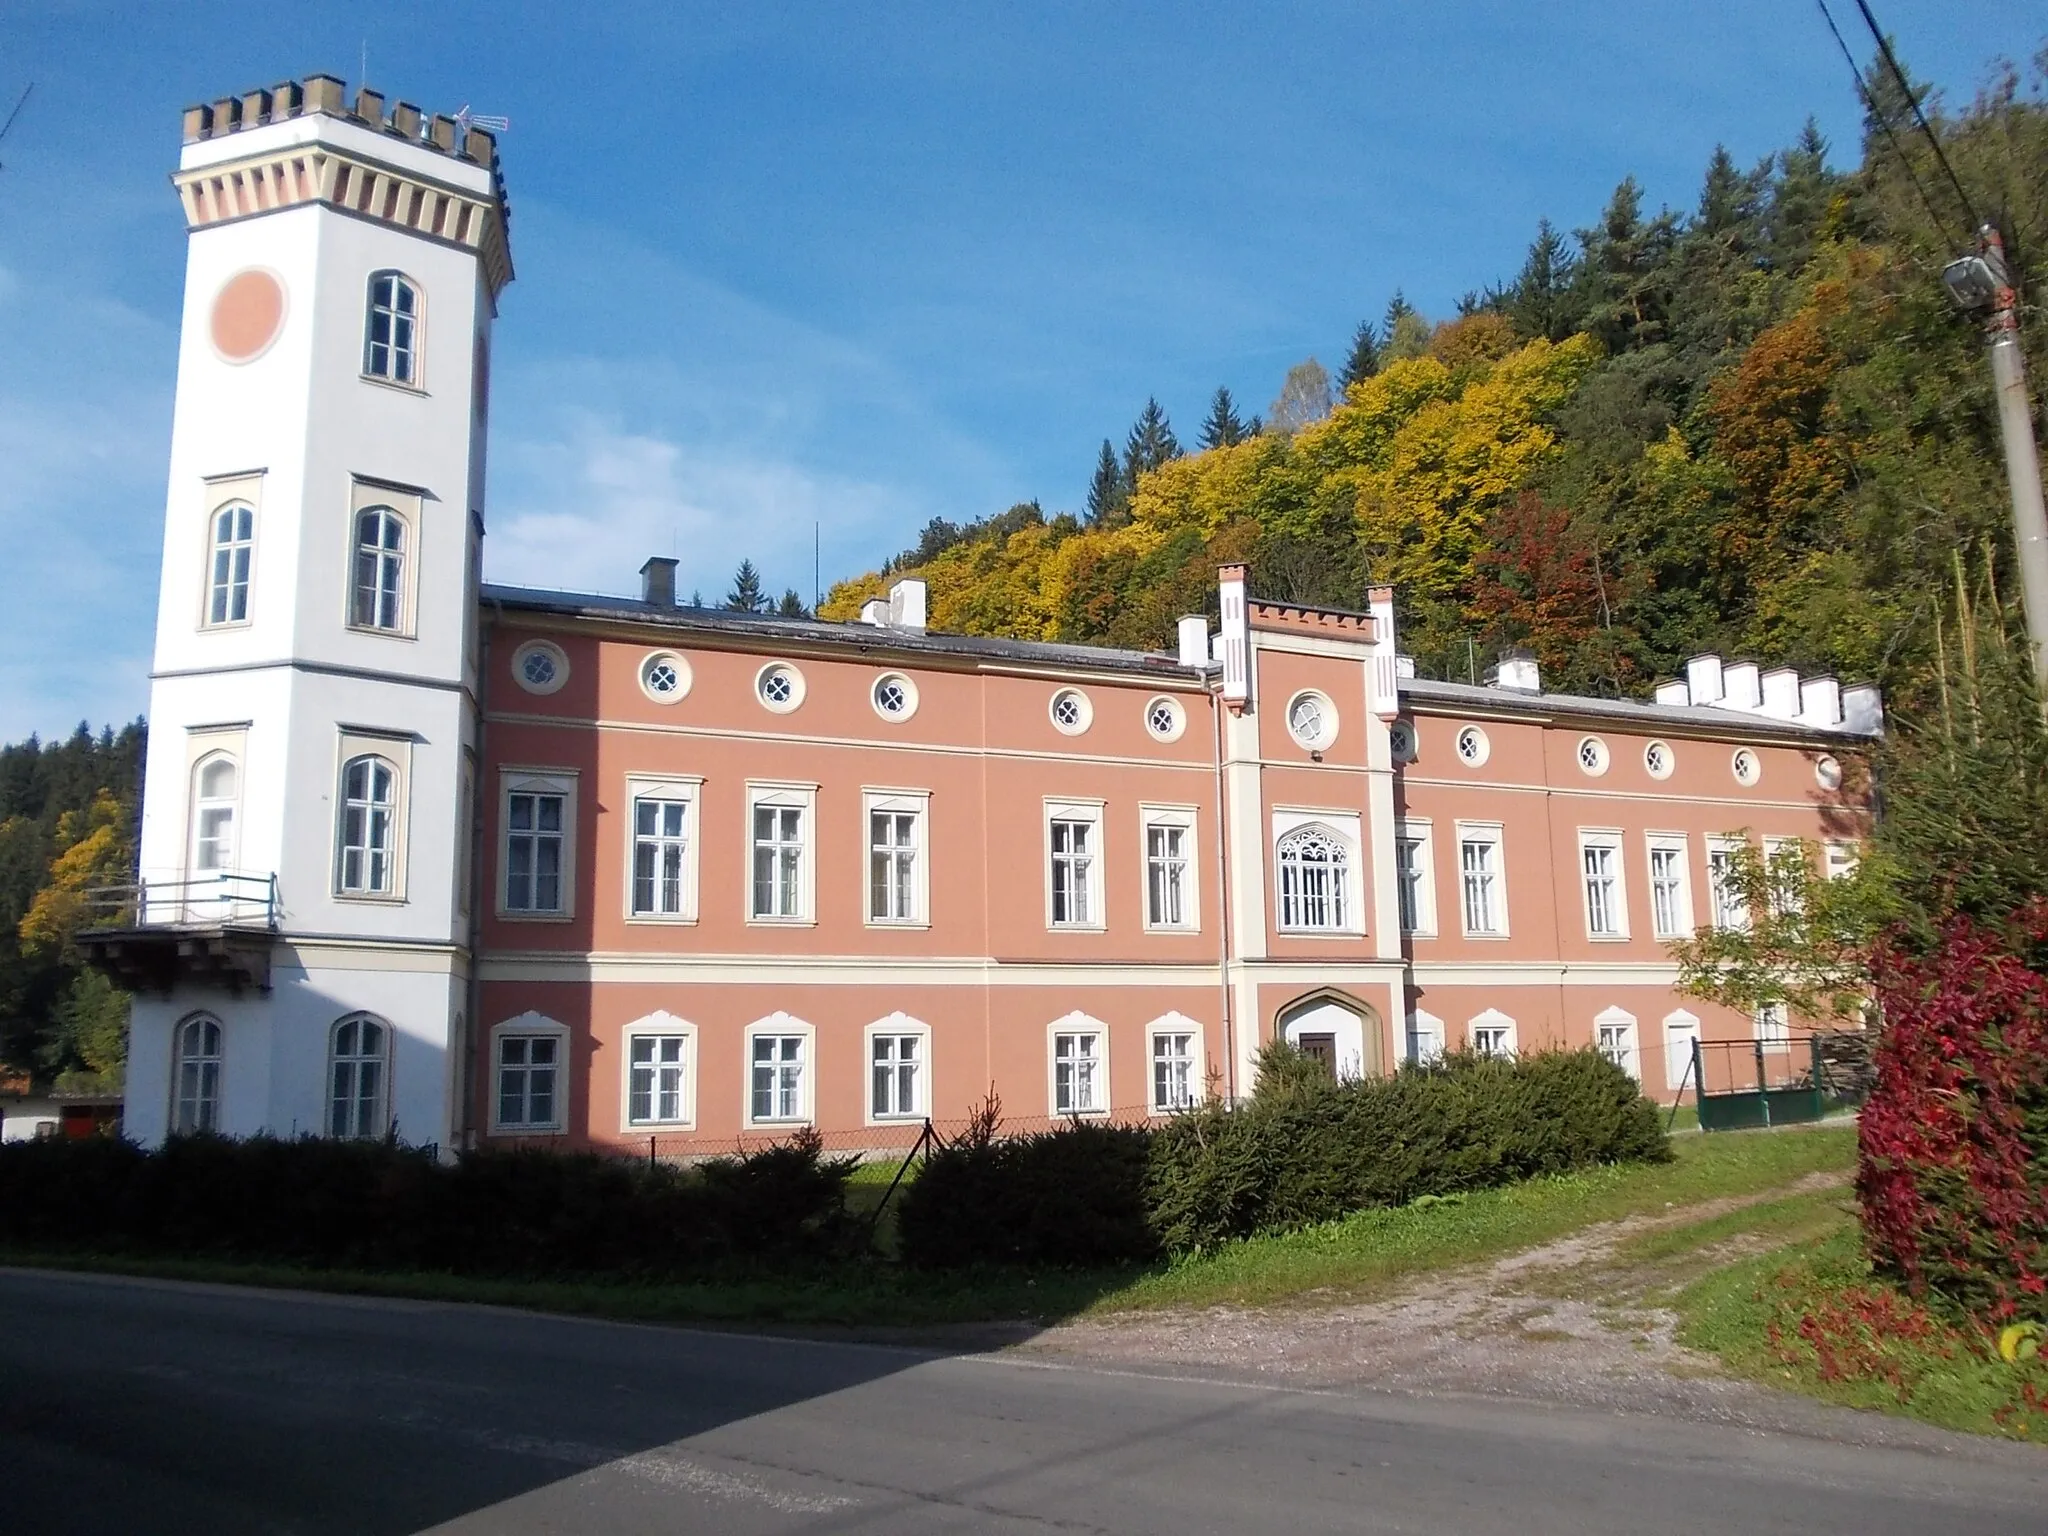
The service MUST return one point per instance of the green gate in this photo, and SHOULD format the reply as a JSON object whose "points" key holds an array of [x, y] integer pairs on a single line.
{"points": [[1746, 1085]]}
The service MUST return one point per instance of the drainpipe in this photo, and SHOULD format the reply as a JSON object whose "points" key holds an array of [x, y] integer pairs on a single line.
{"points": [[466, 1102], [1223, 892]]}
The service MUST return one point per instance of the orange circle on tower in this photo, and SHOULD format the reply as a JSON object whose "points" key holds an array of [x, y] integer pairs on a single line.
{"points": [[248, 312]]}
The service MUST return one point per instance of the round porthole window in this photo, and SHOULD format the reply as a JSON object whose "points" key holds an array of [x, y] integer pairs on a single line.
{"points": [[540, 667], [1401, 741], [664, 677], [1827, 772], [1165, 719], [1311, 721], [1592, 754], [1747, 768], [1071, 712], [779, 687], [1658, 760], [1473, 746], [894, 696]]}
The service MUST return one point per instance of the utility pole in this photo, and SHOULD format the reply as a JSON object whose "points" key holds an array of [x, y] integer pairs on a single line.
{"points": [[1983, 284]]}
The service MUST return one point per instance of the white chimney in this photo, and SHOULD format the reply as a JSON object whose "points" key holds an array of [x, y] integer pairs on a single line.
{"points": [[1236, 643], [1194, 641], [1820, 702], [1674, 693], [1703, 679], [906, 604], [1781, 693], [1740, 688], [1404, 666], [1863, 710], [875, 611], [1517, 669], [1385, 692]]}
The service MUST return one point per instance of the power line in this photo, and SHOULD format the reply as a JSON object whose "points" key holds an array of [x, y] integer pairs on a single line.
{"points": [[1884, 47], [1884, 124]]}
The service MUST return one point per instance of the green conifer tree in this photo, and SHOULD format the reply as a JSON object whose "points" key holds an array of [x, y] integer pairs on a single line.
{"points": [[746, 595], [1224, 428], [1108, 493], [791, 606], [1364, 360], [1150, 444]]}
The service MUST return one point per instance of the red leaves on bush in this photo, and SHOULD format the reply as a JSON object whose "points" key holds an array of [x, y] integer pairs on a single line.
{"points": [[1952, 1172], [1863, 1333]]}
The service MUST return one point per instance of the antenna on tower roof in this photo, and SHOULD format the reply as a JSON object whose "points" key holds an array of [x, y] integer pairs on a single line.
{"points": [[18, 105], [466, 119]]}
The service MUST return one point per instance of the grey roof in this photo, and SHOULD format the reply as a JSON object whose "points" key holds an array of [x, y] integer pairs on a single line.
{"points": [[1703, 716], [862, 637]]}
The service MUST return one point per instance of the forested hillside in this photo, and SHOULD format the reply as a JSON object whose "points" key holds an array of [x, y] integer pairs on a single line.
{"points": [[1758, 426]]}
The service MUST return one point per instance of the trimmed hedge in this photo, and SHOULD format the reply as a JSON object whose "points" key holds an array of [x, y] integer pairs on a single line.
{"points": [[1305, 1149], [1952, 1173], [382, 1205]]}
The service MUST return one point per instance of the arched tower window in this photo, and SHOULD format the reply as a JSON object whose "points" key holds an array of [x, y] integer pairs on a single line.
{"points": [[214, 791], [379, 597], [1313, 879], [357, 1074], [391, 332], [195, 1075], [230, 543], [369, 794]]}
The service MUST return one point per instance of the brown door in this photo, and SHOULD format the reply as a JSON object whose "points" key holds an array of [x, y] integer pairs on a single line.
{"points": [[1322, 1048]]}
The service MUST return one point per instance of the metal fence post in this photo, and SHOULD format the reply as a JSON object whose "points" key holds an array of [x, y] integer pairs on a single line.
{"points": [[1763, 1092]]}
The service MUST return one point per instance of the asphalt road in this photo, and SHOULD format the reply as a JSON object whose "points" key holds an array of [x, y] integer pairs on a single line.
{"points": [[141, 1407]]}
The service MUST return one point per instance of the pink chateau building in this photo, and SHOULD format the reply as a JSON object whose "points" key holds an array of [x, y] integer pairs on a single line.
{"points": [[469, 862]]}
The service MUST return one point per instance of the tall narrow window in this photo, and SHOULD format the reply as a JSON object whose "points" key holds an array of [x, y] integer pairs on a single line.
{"points": [[529, 1068], [1614, 1032], [195, 1076], [368, 796], [1076, 1073], [1313, 880], [1600, 864], [778, 1086], [1773, 1027], [1479, 873], [1173, 1071], [1411, 865], [897, 1088], [1785, 864], [892, 867], [233, 540], [1730, 909], [389, 347], [1073, 873], [356, 1077], [534, 835], [1668, 904], [778, 861], [1166, 876], [655, 1088], [379, 584], [213, 816], [660, 847]]}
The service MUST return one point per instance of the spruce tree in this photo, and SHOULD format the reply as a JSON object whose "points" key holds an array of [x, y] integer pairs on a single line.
{"points": [[746, 595], [1224, 428], [1108, 495], [1537, 299], [791, 606], [1397, 306], [1364, 360], [1150, 444]]}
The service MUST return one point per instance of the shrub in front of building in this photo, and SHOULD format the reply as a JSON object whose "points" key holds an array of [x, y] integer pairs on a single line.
{"points": [[1952, 1174], [325, 1203]]}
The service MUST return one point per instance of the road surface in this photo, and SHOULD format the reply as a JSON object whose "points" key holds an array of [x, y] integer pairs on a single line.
{"points": [[147, 1407]]}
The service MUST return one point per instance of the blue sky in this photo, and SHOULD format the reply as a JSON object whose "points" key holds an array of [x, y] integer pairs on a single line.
{"points": [[786, 265]]}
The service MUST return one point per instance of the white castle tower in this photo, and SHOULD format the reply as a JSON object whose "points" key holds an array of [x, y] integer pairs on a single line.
{"points": [[299, 945]]}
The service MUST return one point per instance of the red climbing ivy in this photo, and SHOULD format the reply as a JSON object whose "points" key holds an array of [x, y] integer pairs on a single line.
{"points": [[1953, 1168]]}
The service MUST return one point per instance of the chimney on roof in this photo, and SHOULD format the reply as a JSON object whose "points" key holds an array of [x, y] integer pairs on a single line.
{"points": [[906, 604], [1674, 693], [1863, 710], [1703, 679], [875, 611], [1781, 693], [1820, 702], [1516, 669], [1194, 641], [658, 582]]}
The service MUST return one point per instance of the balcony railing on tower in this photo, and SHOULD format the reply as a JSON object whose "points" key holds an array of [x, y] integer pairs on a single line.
{"points": [[213, 930]]}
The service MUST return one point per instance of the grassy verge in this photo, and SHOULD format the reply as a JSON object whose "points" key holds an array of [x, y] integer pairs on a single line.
{"points": [[1812, 1317], [1347, 1258]]}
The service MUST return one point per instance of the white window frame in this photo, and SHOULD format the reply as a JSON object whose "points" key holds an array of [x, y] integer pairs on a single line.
{"points": [[233, 546], [1771, 1026], [1629, 1056], [396, 753], [780, 1025], [537, 781], [1346, 829], [206, 1097], [1425, 1026], [378, 1122], [1077, 1024], [225, 863], [1839, 859], [1493, 1020], [1090, 813], [1684, 1023], [1178, 818], [1493, 834], [689, 789], [780, 795], [1772, 847], [916, 803], [1718, 910], [1677, 846], [1607, 840], [405, 559], [1173, 1026], [415, 321], [1422, 833], [659, 1025], [898, 1026], [531, 1026]]}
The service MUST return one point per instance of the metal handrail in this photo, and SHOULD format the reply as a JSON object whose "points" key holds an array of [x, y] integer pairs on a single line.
{"points": [[226, 898]]}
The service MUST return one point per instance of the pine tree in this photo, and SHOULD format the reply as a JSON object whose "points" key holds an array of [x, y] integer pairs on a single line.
{"points": [[1304, 397], [1397, 306], [1108, 495], [1224, 428], [1150, 444], [791, 606], [1536, 300], [1364, 361], [746, 595]]}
